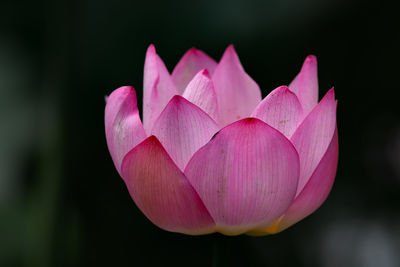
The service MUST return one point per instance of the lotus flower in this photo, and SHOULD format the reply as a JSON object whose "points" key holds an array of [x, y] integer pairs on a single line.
{"points": [[212, 156]]}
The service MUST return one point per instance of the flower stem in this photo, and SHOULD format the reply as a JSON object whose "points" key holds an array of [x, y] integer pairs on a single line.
{"points": [[221, 251]]}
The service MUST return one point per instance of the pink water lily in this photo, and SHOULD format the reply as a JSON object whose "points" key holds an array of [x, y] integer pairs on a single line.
{"points": [[212, 156]]}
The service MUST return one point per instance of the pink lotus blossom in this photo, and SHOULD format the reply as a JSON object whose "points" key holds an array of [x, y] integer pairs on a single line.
{"points": [[212, 156]]}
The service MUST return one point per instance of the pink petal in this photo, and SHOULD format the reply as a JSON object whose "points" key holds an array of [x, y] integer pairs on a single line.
{"points": [[305, 84], [182, 129], [280, 109], [162, 192], [237, 93], [246, 176], [317, 188], [314, 135], [200, 91], [124, 129], [158, 88], [191, 63]]}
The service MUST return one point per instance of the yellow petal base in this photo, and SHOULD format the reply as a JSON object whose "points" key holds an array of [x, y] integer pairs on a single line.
{"points": [[273, 229]]}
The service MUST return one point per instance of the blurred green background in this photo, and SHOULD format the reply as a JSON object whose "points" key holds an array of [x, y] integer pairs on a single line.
{"points": [[62, 202]]}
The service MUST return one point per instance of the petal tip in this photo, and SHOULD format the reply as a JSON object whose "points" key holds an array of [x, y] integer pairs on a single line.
{"points": [[283, 89], [250, 121], [330, 94], [230, 51], [176, 99], [309, 63], [151, 49], [231, 47], [205, 73], [127, 88], [311, 59], [153, 141], [124, 91], [179, 101], [192, 50]]}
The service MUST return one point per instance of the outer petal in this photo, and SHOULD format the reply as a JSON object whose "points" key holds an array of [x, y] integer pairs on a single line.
{"points": [[200, 91], [183, 128], [191, 63], [237, 93], [317, 188], [280, 109], [314, 135], [305, 84], [124, 129], [246, 176], [158, 88], [162, 192], [314, 193]]}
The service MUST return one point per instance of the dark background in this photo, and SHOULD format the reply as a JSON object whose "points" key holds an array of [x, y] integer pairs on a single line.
{"points": [[62, 202]]}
